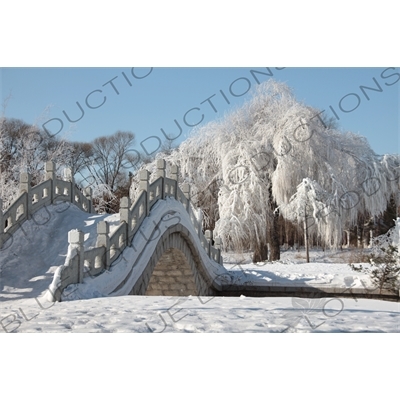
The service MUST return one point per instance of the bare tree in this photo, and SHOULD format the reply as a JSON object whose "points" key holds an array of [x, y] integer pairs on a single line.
{"points": [[109, 159], [112, 159], [80, 156], [25, 147]]}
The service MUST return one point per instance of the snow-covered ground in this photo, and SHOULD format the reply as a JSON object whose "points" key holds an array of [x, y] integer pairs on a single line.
{"points": [[326, 268], [28, 263], [201, 314]]}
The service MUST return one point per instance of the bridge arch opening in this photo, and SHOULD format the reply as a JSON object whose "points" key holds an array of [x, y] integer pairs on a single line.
{"points": [[172, 276]]}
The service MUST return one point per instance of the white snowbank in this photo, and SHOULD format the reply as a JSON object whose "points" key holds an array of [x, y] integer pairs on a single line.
{"points": [[30, 257], [201, 314]]}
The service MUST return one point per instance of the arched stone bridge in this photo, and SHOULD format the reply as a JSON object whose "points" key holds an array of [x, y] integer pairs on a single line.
{"points": [[158, 249]]}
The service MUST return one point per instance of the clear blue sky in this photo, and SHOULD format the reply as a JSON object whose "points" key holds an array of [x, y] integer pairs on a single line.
{"points": [[145, 106]]}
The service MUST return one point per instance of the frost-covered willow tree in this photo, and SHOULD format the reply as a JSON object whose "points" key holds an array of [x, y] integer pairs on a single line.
{"points": [[246, 168]]}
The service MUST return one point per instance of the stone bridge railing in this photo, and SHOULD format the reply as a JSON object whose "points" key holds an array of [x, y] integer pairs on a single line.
{"points": [[81, 263], [31, 199]]}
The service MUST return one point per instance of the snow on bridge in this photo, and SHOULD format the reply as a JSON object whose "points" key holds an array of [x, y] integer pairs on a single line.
{"points": [[160, 229]]}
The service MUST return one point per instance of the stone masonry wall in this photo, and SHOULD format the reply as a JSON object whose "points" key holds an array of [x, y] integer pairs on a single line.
{"points": [[180, 252], [172, 276]]}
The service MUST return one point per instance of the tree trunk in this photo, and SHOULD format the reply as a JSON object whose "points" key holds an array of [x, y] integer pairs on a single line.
{"points": [[273, 239], [273, 230], [306, 244], [260, 252], [360, 234], [347, 245]]}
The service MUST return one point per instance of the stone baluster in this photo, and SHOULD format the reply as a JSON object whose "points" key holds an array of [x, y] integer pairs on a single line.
{"points": [[161, 164], [208, 235], [174, 176], [144, 176], [69, 176], [174, 172], [199, 221], [218, 246], [103, 239], [25, 187], [89, 197], [125, 216], [186, 192], [50, 169], [75, 239]]}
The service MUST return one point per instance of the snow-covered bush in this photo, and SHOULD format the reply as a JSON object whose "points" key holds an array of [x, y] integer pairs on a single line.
{"points": [[384, 269]]}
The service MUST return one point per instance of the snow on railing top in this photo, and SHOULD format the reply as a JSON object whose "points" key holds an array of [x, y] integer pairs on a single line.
{"points": [[93, 262], [31, 199]]}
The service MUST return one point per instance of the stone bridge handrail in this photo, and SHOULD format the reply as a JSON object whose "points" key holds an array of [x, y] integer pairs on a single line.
{"points": [[41, 195], [137, 213], [155, 191], [31, 199], [93, 262]]}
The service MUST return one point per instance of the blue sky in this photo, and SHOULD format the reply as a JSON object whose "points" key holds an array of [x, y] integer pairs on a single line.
{"points": [[149, 100]]}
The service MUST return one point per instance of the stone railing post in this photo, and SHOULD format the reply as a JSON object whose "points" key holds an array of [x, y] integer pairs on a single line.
{"points": [[174, 172], [1, 223], [24, 182], [75, 239], [144, 176], [218, 246], [199, 221], [174, 176], [69, 177], [125, 216], [161, 164], [50, 170], [25, 187], [144, 180], [89, 196], [51, 174], [208, 235], [103, 239], [186, 192]]}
